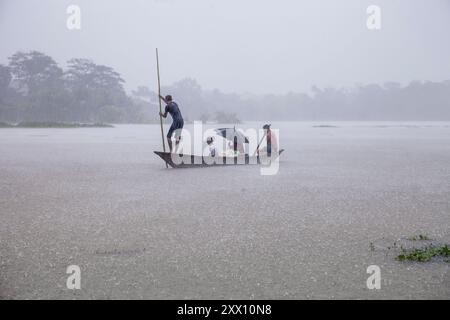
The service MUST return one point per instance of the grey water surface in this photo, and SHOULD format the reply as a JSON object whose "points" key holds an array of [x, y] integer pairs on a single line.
{"points": [[345, 195]]}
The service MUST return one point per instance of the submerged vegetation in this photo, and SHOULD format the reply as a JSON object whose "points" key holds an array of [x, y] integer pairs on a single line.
{"points": [[423, 250], [5, 125], [424, 254], [54, 125], [419, 237]]}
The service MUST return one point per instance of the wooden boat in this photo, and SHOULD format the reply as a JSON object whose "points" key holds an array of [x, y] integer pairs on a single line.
{"points": [[192, 161]]}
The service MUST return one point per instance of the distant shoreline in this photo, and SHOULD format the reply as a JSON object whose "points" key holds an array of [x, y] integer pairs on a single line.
{"points": [[313, 124], [68, 125]]}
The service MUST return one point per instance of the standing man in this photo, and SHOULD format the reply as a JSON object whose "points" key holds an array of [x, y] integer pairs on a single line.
{"points": [[177, 124], [271, 141]]}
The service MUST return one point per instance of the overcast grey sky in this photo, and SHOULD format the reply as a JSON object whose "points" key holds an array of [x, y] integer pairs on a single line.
{"points": [[258, 46]]}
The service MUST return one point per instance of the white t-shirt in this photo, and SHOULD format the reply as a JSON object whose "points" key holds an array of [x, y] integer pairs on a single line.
{"points": [[212, 150]]}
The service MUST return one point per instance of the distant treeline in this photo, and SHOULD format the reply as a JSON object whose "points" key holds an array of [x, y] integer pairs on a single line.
{"points": [[34, 88]]}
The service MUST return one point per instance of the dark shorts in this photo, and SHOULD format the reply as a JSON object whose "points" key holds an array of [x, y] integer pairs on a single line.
{"points": [[269, 149], [177, 124]]}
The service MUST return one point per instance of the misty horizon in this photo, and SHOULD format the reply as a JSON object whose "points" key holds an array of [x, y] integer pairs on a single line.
{"points": [[33, 87], [310, 91]]}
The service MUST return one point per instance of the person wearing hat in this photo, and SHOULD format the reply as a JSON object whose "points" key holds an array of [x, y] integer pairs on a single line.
{"points": [[271, 141], [178, 122]]}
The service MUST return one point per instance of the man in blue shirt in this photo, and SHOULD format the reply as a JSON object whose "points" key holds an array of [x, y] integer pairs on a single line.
{"points": [[177, 124]]}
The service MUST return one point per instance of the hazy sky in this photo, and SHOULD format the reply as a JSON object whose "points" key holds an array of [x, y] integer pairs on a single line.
{"points": [[258, 46]]}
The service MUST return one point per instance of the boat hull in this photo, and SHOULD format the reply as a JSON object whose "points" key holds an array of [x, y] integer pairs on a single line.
{"points": [[192, 161]]}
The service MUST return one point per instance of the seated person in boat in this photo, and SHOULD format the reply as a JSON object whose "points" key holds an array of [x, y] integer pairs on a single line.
{"points": [[177, 120], [212, 147], [238, 148], [272, 145]]}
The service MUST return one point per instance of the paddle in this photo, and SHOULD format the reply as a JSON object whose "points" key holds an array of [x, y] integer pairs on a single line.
{"points": [[160, 106], [265, 133]]}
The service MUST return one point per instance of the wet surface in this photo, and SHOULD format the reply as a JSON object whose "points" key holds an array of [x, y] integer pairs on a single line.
{"points": [[100, 199]]}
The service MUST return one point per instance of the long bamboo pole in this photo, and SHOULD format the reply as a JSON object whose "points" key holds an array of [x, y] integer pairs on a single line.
{"points": [[160, 106], [257, 147]]}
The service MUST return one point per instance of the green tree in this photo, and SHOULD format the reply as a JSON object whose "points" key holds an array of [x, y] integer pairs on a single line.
{"points": [[189, 95], [5, 79], [38, 78], [143, 93], [223, 117], [94, 89], [34, 70]]}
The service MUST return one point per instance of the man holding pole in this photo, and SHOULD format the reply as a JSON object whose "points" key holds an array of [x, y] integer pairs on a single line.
{"points": [[272, 144], [177, 124]]}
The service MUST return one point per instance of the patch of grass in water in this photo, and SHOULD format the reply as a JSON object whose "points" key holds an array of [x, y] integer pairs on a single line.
{"points": [[61, 125], [5, 125], [422, 237], [424, 254]]}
